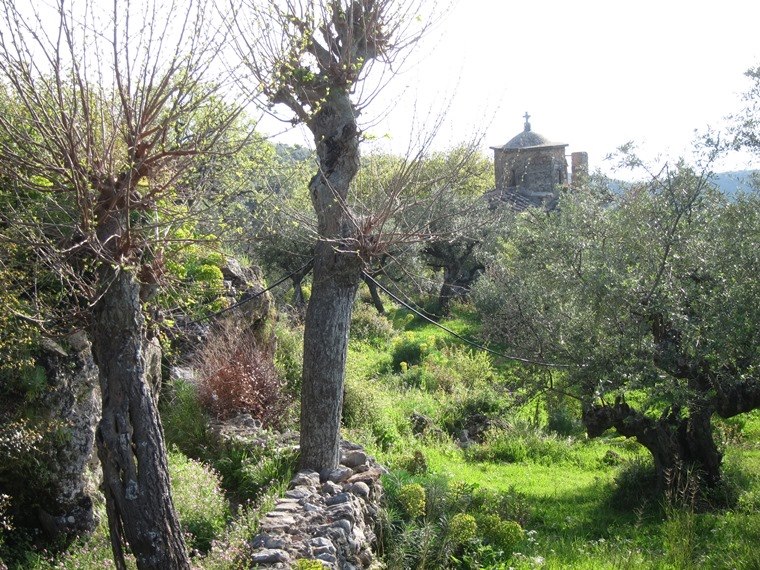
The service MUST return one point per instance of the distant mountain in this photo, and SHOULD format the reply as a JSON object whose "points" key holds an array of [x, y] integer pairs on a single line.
{"points": [[734, 182], [730, 183]]}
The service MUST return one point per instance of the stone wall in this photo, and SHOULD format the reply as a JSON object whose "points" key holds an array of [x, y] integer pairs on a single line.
{"points": [[330, 518]]}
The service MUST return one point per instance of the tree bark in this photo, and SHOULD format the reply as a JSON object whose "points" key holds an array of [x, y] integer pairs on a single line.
{"points": [[676, 442], [377, 302], [130, 437], [337, 273]]}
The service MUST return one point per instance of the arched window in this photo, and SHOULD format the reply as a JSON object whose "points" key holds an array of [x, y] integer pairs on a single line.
{"points": [[512, 178]]}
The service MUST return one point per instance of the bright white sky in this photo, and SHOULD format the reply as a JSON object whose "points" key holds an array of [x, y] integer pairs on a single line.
{"points": [[591, 73]]}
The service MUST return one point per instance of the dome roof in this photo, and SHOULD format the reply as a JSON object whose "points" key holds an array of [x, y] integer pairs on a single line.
{"points": [[528, 139]]}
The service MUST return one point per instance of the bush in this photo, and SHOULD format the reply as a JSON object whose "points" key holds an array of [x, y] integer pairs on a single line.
{"points": [[370, 326], [415, 464], [564, 418], [503, 534], [411, 497], [184, 419], [465, 406], [462, 528], [411, 349], [198, 498], [250, 473], [635, 484], [362, 409], [237, 374], [288, 357], [521, 443]]}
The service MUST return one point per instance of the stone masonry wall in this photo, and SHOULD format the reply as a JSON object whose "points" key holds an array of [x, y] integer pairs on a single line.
{"points": [[329, 518]]}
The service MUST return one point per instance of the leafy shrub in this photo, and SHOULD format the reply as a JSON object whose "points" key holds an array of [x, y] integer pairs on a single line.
{"points": [[237, 375], [362, 409], [521, 443], [635, 484], [465, 405], [288, 357], [563, 417], [460, 365], [503, 534], [200, 503], [411, 497], [410, 348], [250, 473], [462, 528], [184, 419], [368, 325], [415, 464]]}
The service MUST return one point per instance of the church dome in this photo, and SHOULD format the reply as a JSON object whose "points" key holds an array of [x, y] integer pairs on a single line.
{"points": [[528, 139]]}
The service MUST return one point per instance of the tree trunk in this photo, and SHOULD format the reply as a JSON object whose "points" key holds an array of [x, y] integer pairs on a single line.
{"points": [[676, 443], [299, 300], [326, 329], [337, 273], [377, 302], [130, 437], [457, 282]]}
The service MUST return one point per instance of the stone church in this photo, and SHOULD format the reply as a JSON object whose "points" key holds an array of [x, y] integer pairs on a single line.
{"points": [[530, 170]]}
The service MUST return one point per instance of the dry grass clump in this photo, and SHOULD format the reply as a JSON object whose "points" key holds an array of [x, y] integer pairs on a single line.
{"points": [[237, 375]]}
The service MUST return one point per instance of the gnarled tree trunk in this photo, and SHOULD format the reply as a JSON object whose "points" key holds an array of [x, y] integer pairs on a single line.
{"points": [[676, 442], [130, 437], [337, 273]]}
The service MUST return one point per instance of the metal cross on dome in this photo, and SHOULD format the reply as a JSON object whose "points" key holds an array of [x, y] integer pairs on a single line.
{"points": [[527, 124]]}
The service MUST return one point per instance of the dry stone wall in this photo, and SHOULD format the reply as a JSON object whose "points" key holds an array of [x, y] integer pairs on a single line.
{"points": [[330, 518]]}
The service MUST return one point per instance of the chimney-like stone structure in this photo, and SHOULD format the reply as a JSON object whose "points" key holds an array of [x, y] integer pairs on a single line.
{"points": [[578, 168]]}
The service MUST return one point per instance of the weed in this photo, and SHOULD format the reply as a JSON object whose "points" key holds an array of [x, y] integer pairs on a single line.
{"points": [[237, 374], [184, 419], [411, 497], [200, 503]]}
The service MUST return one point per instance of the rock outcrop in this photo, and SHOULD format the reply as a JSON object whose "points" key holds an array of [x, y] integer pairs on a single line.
{"points": [[329, 517], [72, 406]]}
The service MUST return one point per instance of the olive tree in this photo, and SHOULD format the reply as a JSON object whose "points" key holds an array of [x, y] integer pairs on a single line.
{"points": [[109, 108], [650, 297], [310, 58]]}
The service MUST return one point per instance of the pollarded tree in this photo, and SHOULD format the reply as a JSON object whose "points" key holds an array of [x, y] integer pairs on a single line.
{"points": [[108, 108], [650, 296], [310, 57]]}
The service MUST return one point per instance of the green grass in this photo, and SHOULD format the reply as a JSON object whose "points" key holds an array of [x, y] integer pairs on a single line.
{"points": [[582, 504]]}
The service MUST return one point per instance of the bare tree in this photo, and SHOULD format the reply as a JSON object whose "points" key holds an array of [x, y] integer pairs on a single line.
{"points": [[312, 58], [107, 108]]}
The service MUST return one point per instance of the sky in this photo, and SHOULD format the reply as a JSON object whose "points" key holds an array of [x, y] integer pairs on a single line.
{"points": [[594, 74]]}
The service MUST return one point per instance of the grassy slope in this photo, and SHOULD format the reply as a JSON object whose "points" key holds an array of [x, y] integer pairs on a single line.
{"points": [[576, 517]]}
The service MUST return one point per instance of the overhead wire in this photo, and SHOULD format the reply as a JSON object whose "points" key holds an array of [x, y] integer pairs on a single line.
{"points": [[459, 336]]}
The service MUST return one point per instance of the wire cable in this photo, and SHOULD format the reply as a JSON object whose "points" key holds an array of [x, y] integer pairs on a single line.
{"points": [[463, 338]]}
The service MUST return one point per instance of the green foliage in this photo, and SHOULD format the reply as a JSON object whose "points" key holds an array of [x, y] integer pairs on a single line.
{"points": [[465, 406], [505, 535], [415, 464], [411, 497], [462, 528], [305, 564], [362, 409], [18, 336], [409, 349], [519, 443], [198, 498], [563, 415], [288, 357], [184, 420], [249, 473], [370, 326]]}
